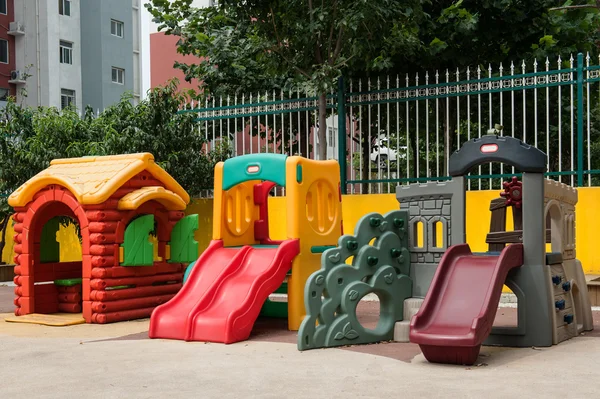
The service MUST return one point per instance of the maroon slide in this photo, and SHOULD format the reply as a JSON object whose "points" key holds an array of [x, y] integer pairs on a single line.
{"points": [[459, 309]]}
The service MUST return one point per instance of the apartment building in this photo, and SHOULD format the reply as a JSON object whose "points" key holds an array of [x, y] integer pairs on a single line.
{"points": [[162, 54], [80, 52], [7, 50], [110, 51]]}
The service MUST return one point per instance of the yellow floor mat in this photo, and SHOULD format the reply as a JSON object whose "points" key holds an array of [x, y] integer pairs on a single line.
{"points": [[55, 320]]}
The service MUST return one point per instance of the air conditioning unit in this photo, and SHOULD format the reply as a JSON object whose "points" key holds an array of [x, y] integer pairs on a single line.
{"points": [[17, 77], [16, 28]]}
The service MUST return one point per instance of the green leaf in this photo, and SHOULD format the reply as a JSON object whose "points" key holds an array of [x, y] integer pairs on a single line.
{"points": [[351, 335]]}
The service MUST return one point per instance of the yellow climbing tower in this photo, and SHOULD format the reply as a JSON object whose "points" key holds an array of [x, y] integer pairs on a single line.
{"points": [[314, 211]]}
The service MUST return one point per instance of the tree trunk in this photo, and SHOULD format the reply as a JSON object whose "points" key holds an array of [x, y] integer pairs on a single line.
{"points": [[322, 149], [3, 226]]}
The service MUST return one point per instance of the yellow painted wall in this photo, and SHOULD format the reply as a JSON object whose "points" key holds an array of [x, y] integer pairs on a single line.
{"points": [[355, 206]]}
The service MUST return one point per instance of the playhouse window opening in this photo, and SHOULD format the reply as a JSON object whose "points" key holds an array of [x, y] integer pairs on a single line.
{"points": [[262, 227]]}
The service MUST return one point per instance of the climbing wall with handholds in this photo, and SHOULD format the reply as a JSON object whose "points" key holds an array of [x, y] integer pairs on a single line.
{"points": [[380, 265], [560, 201]]}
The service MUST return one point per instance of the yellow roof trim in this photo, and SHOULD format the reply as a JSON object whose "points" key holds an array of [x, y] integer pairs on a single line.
{"points": [[92, 180], [135, 199]]}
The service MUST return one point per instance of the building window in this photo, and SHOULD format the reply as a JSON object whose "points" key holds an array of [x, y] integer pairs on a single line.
{"points": [[3, 51], [67, 97], [66, 52], [116, 28], [64, 7], [4, 92], [118, 75], [331, 132], [3, 7]]}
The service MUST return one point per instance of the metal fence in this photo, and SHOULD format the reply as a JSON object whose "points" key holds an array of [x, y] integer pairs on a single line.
{"points": [[401, 129]]}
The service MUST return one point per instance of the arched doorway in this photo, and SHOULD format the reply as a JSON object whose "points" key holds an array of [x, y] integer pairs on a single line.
{"points": [[40, 271], [555, 222]]}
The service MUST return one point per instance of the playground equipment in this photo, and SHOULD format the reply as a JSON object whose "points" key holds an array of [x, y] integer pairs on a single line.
{"points": [[242, 266], [118, 203], [454, 322], [461, 290], [333, 293]]}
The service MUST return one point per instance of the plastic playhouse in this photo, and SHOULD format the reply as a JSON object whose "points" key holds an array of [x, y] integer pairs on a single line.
{"points": [[118, 202], [228, 285]]}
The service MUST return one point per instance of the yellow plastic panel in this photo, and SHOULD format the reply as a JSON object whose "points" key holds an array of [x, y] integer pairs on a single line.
{"points": [[322, 206], [314, 217], [135, 199], [234, 212]]}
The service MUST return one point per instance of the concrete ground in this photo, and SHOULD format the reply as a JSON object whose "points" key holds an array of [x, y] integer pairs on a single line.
{"points": [[119, 361]]}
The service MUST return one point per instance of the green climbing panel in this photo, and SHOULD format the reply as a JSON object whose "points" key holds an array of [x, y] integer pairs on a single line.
{"points": [[332, 294], [184, 249], [50, 248], [138, 250]]}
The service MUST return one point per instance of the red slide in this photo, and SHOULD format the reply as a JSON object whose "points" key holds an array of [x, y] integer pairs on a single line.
{"points": [[224, 293], [459, 309]]}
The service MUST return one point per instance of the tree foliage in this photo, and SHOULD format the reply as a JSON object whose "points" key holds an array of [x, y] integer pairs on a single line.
{"points": [[258, 45], [31, 137], [459, 33], [250, 45]]}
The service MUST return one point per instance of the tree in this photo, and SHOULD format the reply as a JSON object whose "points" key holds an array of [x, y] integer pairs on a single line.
{"points": [[456, 34], [460, 33], [30, 138], [246, 45]]}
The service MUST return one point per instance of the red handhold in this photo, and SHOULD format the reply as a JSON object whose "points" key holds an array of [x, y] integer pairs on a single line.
{"points": [[513, 192]]}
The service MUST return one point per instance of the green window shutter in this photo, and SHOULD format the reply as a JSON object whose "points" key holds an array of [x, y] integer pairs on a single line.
{"points": [[138, 250], [184, 248]]}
